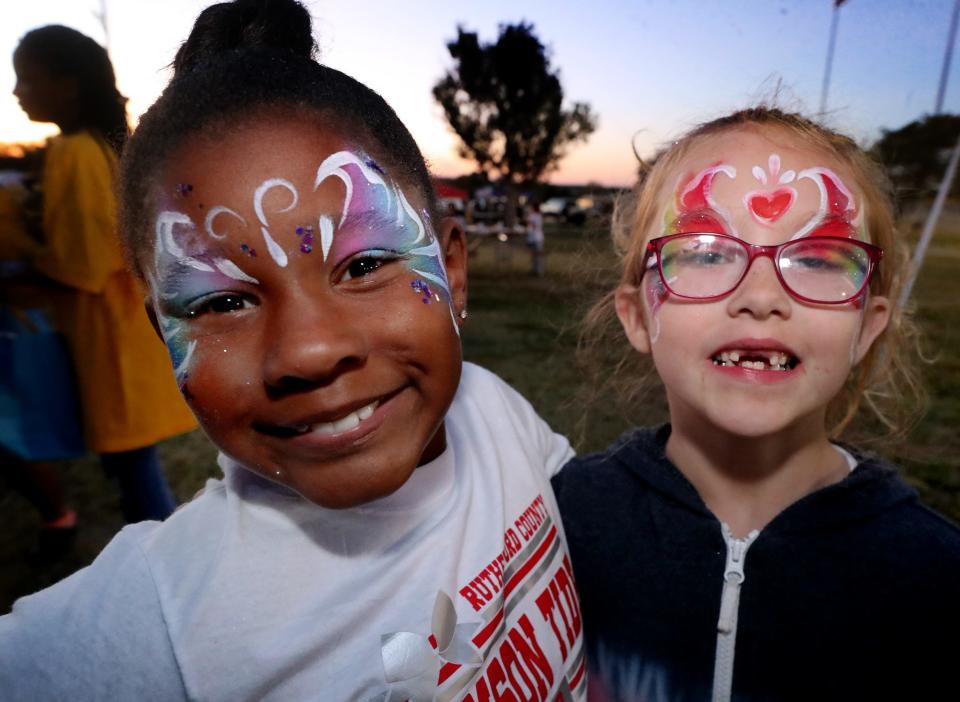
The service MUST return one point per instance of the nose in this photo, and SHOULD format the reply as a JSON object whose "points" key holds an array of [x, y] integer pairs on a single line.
{"points": [[760, 293], [310, 343]]}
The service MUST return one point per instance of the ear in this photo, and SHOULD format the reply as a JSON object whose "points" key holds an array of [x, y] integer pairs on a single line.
{"points": [[628, 301], [876, 316], [453, 242], [152, 316]]}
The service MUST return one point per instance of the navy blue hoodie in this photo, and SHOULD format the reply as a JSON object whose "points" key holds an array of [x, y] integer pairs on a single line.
{"points": [[851, 593]]}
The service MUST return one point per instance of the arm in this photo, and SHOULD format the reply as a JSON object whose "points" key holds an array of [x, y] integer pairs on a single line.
{"points": [[98, 635]]}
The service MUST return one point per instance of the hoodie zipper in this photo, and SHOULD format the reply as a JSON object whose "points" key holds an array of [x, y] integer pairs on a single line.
{"points": [[733, 577]]}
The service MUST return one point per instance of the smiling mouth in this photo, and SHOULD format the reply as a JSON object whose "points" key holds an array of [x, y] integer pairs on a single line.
{"points": [[343, 424], [755, 359]]}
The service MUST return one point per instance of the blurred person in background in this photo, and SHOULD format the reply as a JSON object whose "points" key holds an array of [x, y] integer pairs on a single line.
{"points": [[129, 399]]}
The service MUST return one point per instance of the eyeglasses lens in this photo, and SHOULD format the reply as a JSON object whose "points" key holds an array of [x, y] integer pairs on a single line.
{"points": [[822, 270], [702, 265]]}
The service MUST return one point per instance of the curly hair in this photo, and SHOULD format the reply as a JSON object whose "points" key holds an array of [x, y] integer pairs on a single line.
{"points": [[243, 60], [886, 381]]}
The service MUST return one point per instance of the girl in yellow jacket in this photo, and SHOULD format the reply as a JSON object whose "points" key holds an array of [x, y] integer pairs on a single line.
{"points": [[128, 395]]}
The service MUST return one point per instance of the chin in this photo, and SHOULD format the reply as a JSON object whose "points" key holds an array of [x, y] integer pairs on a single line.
{"points": [[750, 425]]}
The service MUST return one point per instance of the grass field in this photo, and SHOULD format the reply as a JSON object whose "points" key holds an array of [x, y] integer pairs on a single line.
{"points": [[525, 329]]}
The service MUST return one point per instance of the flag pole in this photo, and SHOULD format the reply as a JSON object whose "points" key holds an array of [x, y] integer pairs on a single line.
{"points": [[934, 216], [830, 47], [947, 59]]}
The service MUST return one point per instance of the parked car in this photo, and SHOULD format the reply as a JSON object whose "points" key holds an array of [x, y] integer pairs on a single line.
{"points": [[565, 209]]}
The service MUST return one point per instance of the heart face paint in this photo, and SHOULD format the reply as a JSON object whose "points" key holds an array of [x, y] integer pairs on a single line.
{"points": [[695, 208], [767, 206]]}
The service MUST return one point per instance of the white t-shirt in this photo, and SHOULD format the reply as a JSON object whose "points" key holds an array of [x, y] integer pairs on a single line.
{"points": [[250, 592], [535, 229]]}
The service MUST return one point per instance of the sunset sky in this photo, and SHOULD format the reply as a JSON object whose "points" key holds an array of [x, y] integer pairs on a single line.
{"points": [[650, 69]]}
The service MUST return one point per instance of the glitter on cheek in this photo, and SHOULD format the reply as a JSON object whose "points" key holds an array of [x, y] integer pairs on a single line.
{"points": [[422, 288], [183, 189]]}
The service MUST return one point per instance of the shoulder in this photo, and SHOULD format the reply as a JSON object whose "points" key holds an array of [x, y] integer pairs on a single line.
{"points": [[487, 411], [183, 548], [923, 533], [631, 451], [481, 389], [102, 632], [79, 157], [82, 146]]}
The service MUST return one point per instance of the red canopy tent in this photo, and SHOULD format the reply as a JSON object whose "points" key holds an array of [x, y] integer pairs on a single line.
{"points": [[445, 191]]}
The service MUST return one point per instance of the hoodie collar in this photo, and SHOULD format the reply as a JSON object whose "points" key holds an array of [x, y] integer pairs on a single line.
{"points": [[874, 487]]}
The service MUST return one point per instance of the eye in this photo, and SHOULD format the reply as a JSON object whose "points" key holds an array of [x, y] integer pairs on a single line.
{"points": [[366, 263], [221, 303]]}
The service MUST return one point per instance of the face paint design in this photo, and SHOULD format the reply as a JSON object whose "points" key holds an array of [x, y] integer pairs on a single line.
{"points": [[376, 220], [767, 206], [656, 294], [837, 214], [376, 215], [306, 238], [693, 209], [422, 288]]}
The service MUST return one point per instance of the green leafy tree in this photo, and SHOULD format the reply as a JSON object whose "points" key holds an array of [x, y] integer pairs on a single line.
{"points": [[916, 155], [505, 102]]}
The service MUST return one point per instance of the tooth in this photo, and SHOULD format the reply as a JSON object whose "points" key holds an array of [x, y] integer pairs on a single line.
{"points": [[724, 356], [324, 428], [365, 412], [734, 356], [348, 422]]}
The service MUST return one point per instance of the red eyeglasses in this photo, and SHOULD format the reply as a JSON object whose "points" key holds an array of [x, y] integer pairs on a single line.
{"points": [[823, 270]]}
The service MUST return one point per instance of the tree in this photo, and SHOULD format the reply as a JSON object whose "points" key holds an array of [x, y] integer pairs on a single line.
{"points": [[916, 155], [505, 102]]}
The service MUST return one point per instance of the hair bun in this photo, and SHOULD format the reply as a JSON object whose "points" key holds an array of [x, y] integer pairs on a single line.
{"points": [[279, 25]]}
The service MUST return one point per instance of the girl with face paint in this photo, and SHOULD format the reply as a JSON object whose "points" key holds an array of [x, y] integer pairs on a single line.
{"points": [[127, 401], [763, 558], [384, 529]]}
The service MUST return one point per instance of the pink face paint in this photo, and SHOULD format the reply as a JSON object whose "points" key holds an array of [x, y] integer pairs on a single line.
{"points": [[696, 194], [655, 293], [837, 214], [377, 218], [695, 210]]}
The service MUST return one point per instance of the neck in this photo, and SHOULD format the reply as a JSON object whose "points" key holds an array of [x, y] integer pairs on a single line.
{"points": [[69, 121], [747, 481]]}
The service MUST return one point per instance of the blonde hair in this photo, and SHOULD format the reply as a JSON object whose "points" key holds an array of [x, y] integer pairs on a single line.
{"points": [[886, 381]]}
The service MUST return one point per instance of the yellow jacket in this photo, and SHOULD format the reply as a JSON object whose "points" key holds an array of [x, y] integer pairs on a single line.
{"points": [[128, 394]]}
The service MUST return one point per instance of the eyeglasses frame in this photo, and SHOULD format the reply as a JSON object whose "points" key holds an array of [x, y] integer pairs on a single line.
{"points": [[754, 251]]}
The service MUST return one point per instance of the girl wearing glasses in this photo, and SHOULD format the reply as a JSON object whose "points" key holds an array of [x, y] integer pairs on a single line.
{"points": [[740, 551]]}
